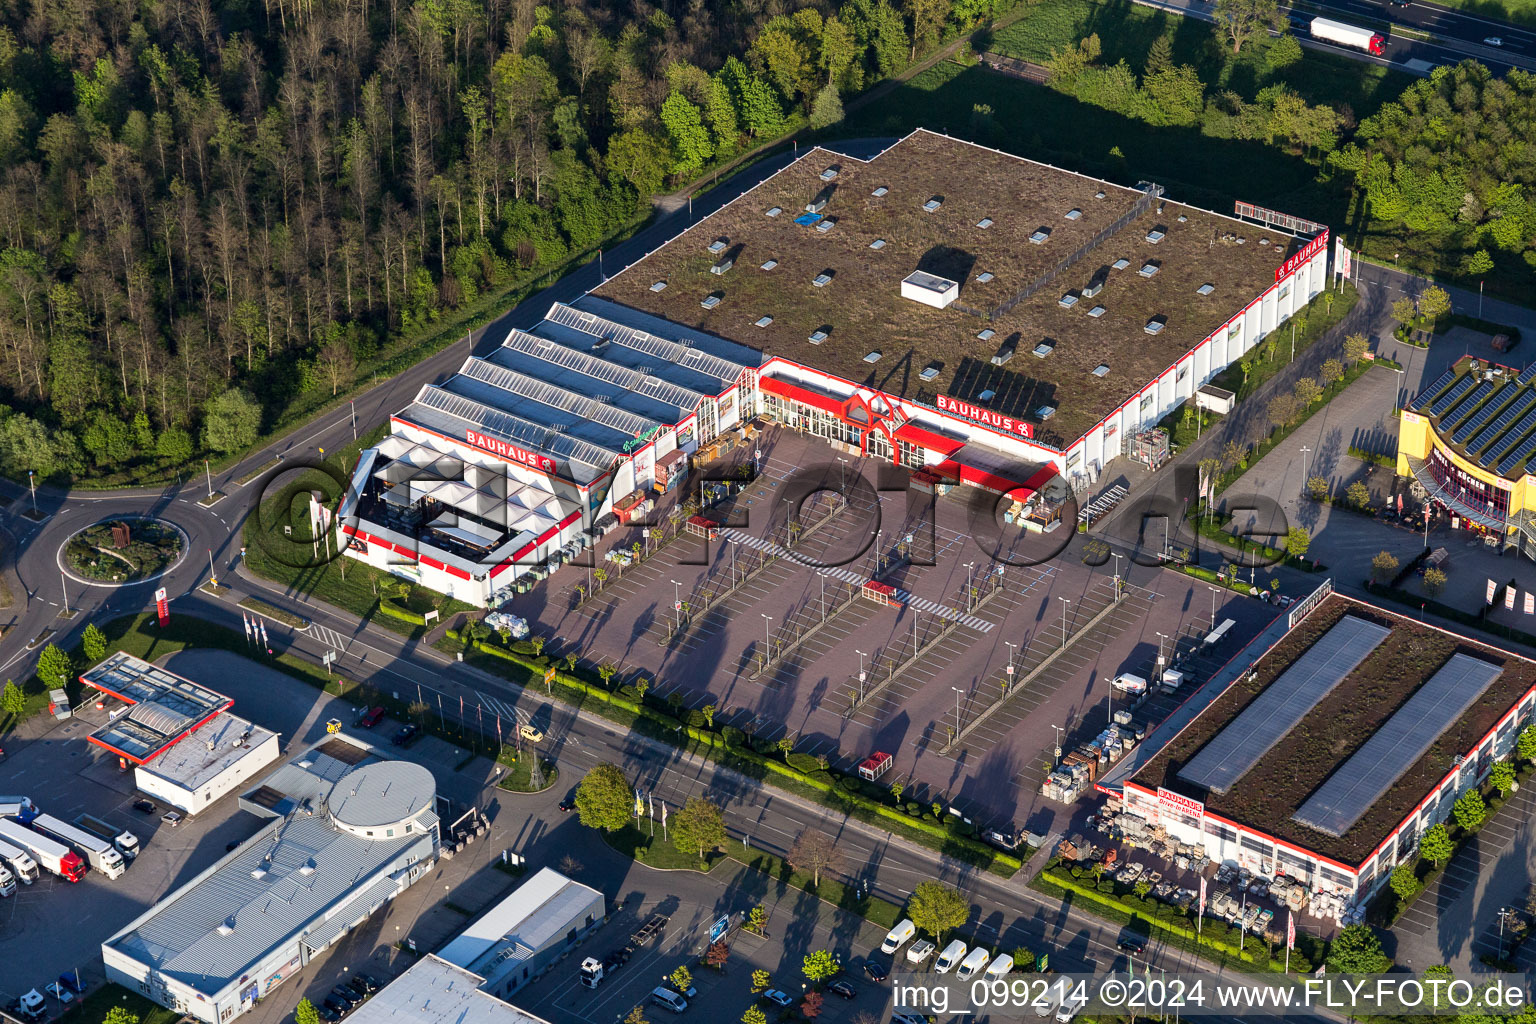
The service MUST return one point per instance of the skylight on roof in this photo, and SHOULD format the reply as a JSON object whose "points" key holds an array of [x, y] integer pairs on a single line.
{"points": [[1183, 217], [1205, 289], [929, 372], [829, 173], [1074, 214], [768, 264], [984, 223], [658, 286], [1155, 325], [933, 204], [825, 224], [775, 211], [1067, 301], [985, 276], [1102, 370], [822, 279], [1044, 349], [1098, 195], [1156, 235], [1121, 263], [986, 334], [872, 356], [882, 190], [1097, 311], [717, 246], [817, 337], [1040, 236], [878, 243], [1148, 269], [764, 321], [710, 301]]}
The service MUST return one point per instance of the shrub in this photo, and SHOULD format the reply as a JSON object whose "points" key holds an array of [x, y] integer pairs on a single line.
{"points": [[803, 763]]}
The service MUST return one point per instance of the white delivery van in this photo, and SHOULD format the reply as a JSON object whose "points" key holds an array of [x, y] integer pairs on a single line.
{"points": [[974, 961], [953, 954], [669, 999], [919, 951], [898, 936], [1071, 1006], [1000, 966], [1130, 683]]}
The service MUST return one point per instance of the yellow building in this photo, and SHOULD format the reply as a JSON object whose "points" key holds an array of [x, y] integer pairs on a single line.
{"points": [[1470, 440]]}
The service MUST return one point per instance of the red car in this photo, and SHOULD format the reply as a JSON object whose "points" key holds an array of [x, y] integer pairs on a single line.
{"points": [[371, 719]]}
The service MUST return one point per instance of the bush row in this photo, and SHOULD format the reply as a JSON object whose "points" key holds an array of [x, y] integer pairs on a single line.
{"points": [[394, 611]]}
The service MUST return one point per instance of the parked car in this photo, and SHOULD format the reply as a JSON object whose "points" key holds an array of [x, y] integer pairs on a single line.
{"points": [[844, 988], [1493, 41], [367, 982], [407, 735], [144, 806], [356, 988], [346, 995], [371, 718], [874, 970], [327, 1014], [337, 1006], [71, 980], [60, 993], [778, 997], [171, 818], [568, 804], [1132, 944]]}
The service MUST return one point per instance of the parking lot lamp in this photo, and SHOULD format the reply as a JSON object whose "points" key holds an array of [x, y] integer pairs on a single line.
{"points": [[861, 674], [767, 638], [1012, 647], [958, 692], [1065, 604], [1056, 753], [970, 589], [677, 603], [1214, 592]]}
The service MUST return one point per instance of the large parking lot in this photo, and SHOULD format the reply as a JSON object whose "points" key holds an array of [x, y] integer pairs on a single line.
{"points": [[911, 707]]}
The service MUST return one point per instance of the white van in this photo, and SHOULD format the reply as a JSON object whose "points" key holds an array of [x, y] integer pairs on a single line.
{"points": [[974, 961], [1070, 1007], [919, 951], [1000, 966], [898, 936], [953, 953], [671, 1000]]}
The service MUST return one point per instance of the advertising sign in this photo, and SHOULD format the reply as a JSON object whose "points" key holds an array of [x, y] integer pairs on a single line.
{"points": [[162, 607], [1302, 255], [1169, 800], [510, 452], [986, 417]]}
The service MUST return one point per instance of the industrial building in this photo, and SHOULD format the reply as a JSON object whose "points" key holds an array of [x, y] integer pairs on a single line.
{"points": [[1335, 741], [1469, 439], [186, 748], [518, 939], [998, 329], [434, 991], [347, 833]]}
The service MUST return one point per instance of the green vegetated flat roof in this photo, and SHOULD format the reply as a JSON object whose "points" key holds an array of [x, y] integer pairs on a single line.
{"points": [[1266, 796], [862, 308]]}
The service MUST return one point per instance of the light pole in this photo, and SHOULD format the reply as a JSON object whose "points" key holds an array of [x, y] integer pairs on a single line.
{"points": [[1305, 465], [1056, 754], [822, 579], [354, 419], [1214, 592], [677, 603], [64, 589], [970, 588], [1503, 913], [844, 492], [1065, 604], [213, 577], [32, 486], [1009, 670], [1117, 558], [958, 692], [1160, 638], [734, 547], [861, 674], [209, 470], [767, 638]]}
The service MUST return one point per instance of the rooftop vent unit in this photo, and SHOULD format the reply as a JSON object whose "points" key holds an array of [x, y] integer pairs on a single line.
{"points": [[986, 334], [1205, 289], [984, 277], [712, 300], [1005, 351], [768, 264], [774, 211], [878, 243], [227, 926], [306, 763], [930, 371], [986, 395], [1098, 195], [932, 204], [825, 225], [829, 173], [1102, 370], [717, 246], [764, 321], [658, 286], [1074, 214], [822, 279], [882, 190], [1156, 324], [815, 206], [258, 873], [1097, 311], [1045, 412], [872, 356], [929, 289], [817, 337], [1067, 301], [984, 223], [1183, 218], [721, 267], [1040, 235], [1149, 268], [1156, 235], [1121, 263], [1045, 348], [308, 868], [1094, 287]]}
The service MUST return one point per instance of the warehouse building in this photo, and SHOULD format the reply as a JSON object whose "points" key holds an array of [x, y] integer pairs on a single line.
{"points": [[434, 991], [187, 749], [997, 329], [1335, 745], [1469, 439], [354, 832]]}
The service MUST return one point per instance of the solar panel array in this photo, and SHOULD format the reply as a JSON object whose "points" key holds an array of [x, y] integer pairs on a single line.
{"points": [[582, 406], [1275, 712], [1474, 422], [1458, 389], [1434, 389], [593, 366], [1518, 456], [1527, 375], [1392, 749], [1511, 412], [1466, 406], [670, 351], [1505, 444], [515, 428]]}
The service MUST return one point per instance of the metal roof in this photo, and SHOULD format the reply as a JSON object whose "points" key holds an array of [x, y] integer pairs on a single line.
{"points": [[1401, 741], [540, 910], [193, 762], [1283, 703], [382, 793], [434, 991], [591, 374], [665, 341], [213, 930], [165, 706], [310, 776]]}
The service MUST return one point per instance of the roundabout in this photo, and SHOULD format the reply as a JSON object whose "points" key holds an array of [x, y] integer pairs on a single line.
{"points": [[123, 551]]}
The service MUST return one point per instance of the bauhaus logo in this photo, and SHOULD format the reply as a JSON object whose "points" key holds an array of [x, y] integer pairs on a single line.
{"points": [[986, 417], [510, 452]]}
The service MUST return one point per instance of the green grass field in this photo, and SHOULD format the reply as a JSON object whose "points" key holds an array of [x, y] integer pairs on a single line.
{"points": [[1521, 12]]}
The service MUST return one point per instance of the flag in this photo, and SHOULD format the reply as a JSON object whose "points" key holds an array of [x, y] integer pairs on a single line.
{"points": [[1492, 586], [639, 803], [1290, 930], [461, 707], [1509, 599], [663, 814], [498, 728], [650, 799], [264, 639], [1530, 603], [1202, 897], [1399, 504], [247, 621]]}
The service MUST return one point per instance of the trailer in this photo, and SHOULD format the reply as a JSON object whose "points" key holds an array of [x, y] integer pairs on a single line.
{"points": [[1217, 635], [1329, 31], [101, 853], [126, 842], [53, 856]]}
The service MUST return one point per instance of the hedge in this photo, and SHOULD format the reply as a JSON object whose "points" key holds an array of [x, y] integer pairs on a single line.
{"points": [[396, 612], [717, 748]]}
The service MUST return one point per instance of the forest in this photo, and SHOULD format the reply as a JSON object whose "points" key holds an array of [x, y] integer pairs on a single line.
{"points": [[215, 214]]}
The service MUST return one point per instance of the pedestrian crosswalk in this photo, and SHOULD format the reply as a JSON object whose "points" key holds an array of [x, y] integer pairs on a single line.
{"points": [[496, 706], [922, 604]]}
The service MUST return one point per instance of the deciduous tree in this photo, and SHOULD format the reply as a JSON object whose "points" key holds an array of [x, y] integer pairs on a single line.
{"points": [[12, 700], [936, 908], [1241, 20], [604, 799], [814, 852], [698, 827], [1383, 566], [1357, 950], [1435, 844], [1470, 810], [1297, 541], [54, 667]]}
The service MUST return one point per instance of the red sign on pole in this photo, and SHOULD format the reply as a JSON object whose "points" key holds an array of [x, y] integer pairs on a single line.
{"points": [[162, 607]]}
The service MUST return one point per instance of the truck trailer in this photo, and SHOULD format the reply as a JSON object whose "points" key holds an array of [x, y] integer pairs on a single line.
{"points": [[126, 842], [1328, 31], [101, 854], [53, 856], [20, 862]]}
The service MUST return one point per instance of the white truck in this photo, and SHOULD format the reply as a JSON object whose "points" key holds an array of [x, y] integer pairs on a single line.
{"points": [[99, 852], [1348, 35], [126, 842], [7, 881], [20, 862]]}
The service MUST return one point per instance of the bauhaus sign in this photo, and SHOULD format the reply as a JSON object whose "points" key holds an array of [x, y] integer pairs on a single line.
{"points": [[510, 452], [1301, 256], [1172, 801], [986, 417]]}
